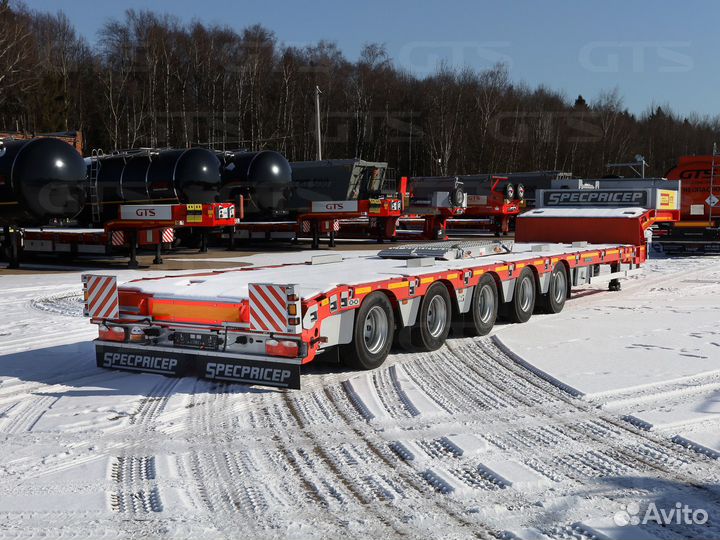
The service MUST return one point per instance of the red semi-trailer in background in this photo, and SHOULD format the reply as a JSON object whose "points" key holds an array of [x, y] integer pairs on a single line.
{"points": [[697, 230]]}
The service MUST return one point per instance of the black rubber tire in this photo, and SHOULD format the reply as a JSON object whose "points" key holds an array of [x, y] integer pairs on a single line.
{"points": [[356, 354], [478, 326], [517, 312], [509, 191], [422, 338], [457, 197], [554, 300]]}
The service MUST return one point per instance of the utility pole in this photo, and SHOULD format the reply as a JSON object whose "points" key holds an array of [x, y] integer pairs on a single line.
{"points": [[317, 123]]}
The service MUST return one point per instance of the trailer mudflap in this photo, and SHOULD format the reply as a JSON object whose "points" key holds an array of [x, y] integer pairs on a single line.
{"points": [[251, 372], [133, 358], [206, 364]]}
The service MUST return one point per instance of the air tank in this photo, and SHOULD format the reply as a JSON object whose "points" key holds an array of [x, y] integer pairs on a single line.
{"points": [[40, 179], [156, 177], [262, 178]]}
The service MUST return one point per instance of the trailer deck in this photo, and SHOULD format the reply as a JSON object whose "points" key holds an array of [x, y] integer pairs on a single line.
{"points": [[311, 279]]}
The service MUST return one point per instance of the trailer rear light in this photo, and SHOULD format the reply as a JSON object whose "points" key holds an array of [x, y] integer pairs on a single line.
{"points": [[292, 309], [294, 321], [137, 335], [111, 333], [288, 349], [293, 298]]}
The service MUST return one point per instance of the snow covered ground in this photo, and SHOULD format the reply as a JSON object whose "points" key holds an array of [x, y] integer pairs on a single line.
{"points": [[567, 426]]}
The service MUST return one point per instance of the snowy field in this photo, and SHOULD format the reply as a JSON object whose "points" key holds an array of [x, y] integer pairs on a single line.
{"points": [[566, 427]]}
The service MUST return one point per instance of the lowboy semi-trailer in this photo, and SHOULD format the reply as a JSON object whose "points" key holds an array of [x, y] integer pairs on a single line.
{"points": [[260, 325]]}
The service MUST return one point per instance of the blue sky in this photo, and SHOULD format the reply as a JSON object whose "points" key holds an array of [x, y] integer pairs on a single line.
{"points": [[653, 52]]}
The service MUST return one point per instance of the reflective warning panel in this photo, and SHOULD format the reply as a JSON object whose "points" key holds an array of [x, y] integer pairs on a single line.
{"points": [[100, 296], [268, 307]]}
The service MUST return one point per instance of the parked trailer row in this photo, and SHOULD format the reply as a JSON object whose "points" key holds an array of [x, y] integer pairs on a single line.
{"points": [[138, 225], [422, 208], [260, 325]]}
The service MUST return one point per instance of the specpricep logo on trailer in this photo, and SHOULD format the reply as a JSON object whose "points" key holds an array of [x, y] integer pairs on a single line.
{"points": [[596, 197], [140, 361], [246, 373]]}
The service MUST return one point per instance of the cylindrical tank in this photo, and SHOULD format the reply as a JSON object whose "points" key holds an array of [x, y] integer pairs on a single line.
{"points": [[187, 176], [40, 179], [262, 178], [156, 177]]}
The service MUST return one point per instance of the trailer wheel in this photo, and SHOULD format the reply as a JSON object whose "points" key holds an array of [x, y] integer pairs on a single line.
{"points": [[484, 306], [522, 304], [434, 318], [554, 300], [372, 335]]}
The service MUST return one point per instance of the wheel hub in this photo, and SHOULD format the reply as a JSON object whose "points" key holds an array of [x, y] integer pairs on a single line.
{"points": [[486, 304], [559, 291], [436, 316], [375, 329], [526, 294]]}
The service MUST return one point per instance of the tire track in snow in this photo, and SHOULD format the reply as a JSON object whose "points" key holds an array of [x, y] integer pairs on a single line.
{"points": [[136, 493], [26, 414], [154, 403], [633, 448], [420, 492]]}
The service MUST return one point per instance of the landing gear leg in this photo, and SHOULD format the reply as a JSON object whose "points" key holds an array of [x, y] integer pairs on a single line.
{"points": [[133, 263], [203, 241], [12, 237], [315, 236], [380, 231], [331, 235], [158, 254], [231, 234]]}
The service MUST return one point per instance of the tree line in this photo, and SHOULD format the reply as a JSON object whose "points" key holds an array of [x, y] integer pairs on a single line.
{"points": [[153, 81]]}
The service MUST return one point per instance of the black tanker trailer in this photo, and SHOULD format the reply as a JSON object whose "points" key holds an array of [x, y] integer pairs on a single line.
{"points": [[40, 180]]}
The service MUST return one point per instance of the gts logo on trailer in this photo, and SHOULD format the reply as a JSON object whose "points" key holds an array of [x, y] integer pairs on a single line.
{"points": [[145, 212], [247, 373], [139, 361], [596, 197], [334, 206]]}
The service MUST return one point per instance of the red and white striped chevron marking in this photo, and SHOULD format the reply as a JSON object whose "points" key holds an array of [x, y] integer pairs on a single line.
{"points": [[101, 297], [118, 238], [268, 308], [168, 235]]}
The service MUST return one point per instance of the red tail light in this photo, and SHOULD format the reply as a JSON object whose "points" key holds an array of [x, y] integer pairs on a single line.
{"points": [[288, 349], [111, 333]]}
